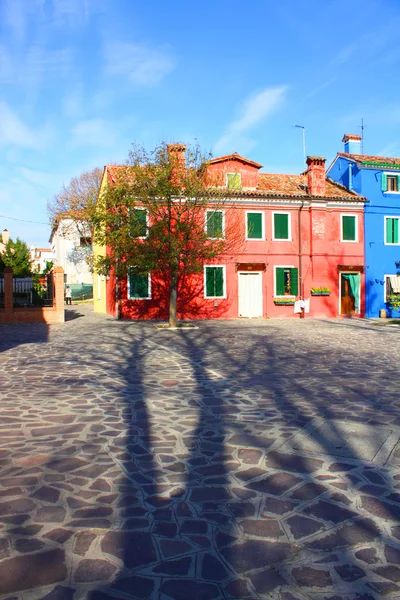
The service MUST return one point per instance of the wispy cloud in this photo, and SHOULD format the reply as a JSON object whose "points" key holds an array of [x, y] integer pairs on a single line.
{"points": [[254, 110], [345, 54], [140, 63], [15, 133], [93, 133]]}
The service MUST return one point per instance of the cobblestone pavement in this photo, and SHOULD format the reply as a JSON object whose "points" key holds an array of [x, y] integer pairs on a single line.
{"points": [[238, 460]]}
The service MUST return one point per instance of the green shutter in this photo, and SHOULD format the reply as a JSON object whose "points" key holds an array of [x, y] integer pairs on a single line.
{"points": [[214, 224], [384, 182], [294, 282], [280, 282], [138, 285], [219, 281], [139, 222], [395, 231], [209, 281], [233, 181], [281, 226], [349, 228], [254, 226], [389, 231], [214, 282]]}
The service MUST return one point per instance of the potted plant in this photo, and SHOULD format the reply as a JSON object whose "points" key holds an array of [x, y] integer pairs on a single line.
{"points": [[320, 291], [284, 301]]}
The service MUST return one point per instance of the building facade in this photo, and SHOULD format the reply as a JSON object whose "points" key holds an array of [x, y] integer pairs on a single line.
{"points": [[71, 245], [378, 179], [296, 233]]}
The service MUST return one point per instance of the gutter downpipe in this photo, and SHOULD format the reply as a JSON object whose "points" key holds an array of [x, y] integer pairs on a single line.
{"points": [[301, 259]]}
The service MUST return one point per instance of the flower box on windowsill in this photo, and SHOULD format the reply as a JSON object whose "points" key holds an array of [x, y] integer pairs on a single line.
{"points": [[284, 301], [320, 293]]}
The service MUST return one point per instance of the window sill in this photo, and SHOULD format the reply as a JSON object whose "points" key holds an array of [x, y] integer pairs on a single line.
{"points": [[320, 293], [284, 302]]}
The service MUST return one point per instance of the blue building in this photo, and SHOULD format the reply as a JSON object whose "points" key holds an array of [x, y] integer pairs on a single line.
{"points": [[378, 179]]}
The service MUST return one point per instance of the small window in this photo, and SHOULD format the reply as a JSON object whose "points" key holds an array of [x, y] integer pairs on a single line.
{"points": [[392, 288], [254, 226], [138, 221], [233, 181], [392, 230], [214, 286], [349, 228], [215, 224], [139, 286], [390, 183], [85, 241], [286, 281], [281, 226]]}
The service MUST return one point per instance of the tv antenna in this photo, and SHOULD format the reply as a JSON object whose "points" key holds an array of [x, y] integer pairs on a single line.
{"points": [[362, 127], [304, 141]]}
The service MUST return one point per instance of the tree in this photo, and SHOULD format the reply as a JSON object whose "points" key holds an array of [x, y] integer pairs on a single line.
{"points": [[76, 201], [17, 256], [152, 218]]}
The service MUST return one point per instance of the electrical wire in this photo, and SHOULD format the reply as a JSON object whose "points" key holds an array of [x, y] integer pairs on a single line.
{"points": [[24, 220]]}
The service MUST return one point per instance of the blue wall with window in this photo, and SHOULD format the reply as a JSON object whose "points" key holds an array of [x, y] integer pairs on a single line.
{"points": [[382, 244]]}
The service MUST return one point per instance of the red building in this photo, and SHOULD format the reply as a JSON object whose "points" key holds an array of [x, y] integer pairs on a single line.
{"points": [[298, 234]]}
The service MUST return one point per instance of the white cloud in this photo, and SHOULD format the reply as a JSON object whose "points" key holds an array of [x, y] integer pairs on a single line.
{"points": [[14, 132], [94, 132], [254, 110], [141, 64]]}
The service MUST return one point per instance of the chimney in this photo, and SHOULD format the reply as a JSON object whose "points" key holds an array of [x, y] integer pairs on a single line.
{"points": [[5, 236], [316, 175], [352, 143], [177, 156]]}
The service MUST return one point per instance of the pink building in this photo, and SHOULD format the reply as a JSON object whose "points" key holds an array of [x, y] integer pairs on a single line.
{"points": [[298, 234]]}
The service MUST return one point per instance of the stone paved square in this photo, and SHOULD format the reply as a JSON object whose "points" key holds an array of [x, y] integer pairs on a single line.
{"points": [[143, 463]]}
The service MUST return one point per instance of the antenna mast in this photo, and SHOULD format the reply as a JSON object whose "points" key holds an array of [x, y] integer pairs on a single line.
{"points": [[362, 135]]}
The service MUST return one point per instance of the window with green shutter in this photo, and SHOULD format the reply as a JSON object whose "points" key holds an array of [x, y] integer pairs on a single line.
{"points": [[286, 281], [233, 181], [138, 285], [214, 282], [254, 226], [392, 230], [138, 217], [349, 228], [281, 226], [390, 183], [214, 223]]}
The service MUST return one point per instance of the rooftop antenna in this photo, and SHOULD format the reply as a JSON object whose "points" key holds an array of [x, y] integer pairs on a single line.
{"points": [[362, 135], [304, 141]]}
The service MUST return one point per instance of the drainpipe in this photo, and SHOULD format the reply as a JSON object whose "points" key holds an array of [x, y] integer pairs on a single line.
{"points": [[350, 176], [117, 307], [300, 258]]}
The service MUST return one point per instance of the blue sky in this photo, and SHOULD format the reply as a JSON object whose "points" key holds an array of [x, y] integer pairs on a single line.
{"points": [[80, 80]]}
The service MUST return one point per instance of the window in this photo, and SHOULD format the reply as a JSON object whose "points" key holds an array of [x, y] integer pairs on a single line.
{"points": [[215, 224], [286, 281], [254, 225], [233, 181], [349, 228], [139, 286], [138, 219], [214, 282], [390, 183], [281, 226], [85, 241], [392, 287], [392, 230]]}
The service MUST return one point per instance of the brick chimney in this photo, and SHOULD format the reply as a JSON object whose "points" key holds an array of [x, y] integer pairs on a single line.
{"points": [[177, 156], [352, 143], [316, 175], [5, 236]]}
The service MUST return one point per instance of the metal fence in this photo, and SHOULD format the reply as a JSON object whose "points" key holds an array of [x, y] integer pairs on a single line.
{"points": [[28, 292]]}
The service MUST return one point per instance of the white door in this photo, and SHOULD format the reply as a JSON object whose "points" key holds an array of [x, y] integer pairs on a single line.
{"points": [[250, 294]]}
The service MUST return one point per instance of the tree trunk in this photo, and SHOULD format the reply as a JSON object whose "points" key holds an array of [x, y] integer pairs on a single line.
{"points": [[173, 322]]}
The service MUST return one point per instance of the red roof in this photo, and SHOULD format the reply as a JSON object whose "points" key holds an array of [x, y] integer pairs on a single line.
{"points": [[234, 156], [367, 158], [273, 185], [351, 136]]}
